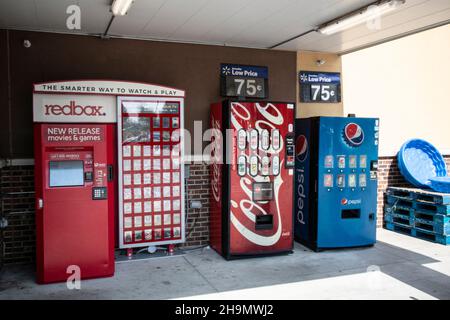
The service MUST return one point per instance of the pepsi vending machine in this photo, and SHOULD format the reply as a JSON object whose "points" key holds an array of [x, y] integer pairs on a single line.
{"points": [[336, 182], [252, 171]]}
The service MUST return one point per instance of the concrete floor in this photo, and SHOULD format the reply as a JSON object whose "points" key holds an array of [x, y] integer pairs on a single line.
{"points": [[397, 267]]}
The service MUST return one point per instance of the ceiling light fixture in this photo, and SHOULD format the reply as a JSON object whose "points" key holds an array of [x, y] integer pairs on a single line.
{"points": [[361, 16], [121, 7]]}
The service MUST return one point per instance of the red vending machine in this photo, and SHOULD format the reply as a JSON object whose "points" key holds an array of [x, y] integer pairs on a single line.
{"points": [[81, 192], [151, 171], [74, 183], [252, 163]]}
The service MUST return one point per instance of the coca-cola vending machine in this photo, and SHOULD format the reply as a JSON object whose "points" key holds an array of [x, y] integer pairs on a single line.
{"points": [[252, 168]]}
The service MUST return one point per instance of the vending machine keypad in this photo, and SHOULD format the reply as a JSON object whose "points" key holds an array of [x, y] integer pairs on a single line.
{"points": [[99, 193]]}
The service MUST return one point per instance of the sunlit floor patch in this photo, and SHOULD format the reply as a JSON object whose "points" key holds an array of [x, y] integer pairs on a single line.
{"points": [[370, 285]]}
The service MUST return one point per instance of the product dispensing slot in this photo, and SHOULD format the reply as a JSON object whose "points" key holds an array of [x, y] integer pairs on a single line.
{"points": [[264, 222], [351, 213]]}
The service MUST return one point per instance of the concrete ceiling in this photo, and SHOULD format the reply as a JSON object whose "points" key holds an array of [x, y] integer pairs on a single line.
{"points": [[242, 23]]}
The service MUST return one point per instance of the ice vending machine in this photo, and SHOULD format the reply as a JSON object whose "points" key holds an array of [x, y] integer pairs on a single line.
{"points": [[336, 182], [252, 167]]}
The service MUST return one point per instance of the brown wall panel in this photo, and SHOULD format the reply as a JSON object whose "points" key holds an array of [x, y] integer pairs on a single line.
{"points": [[194, 68], [4, 109]]}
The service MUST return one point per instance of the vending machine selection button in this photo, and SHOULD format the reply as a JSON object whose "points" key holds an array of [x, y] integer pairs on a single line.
{"points": [[363, 180], [341, 162], [352, 162], [276, 139], [265, 139], [363, 161], [329, 161], [275, 165], [341, 180], [242, 166], [242, 139], [253, 135], [352, 180], [253, 166], [328, 181], [265, 162]]}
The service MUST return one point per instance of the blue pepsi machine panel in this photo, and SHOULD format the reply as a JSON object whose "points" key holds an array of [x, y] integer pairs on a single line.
{"points": [[343, 163], [302, 179]]}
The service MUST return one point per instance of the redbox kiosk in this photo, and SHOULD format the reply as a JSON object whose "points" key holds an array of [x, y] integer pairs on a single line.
{"points": [[77, 176]]}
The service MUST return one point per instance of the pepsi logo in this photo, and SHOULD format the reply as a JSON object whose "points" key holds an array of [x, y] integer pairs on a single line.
{"points": [[353, 134], [344, 202], [301, 148]]}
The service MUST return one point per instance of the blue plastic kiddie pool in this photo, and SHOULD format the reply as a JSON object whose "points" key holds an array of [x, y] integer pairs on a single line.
{"points": [[440, 184], [419, 161]]}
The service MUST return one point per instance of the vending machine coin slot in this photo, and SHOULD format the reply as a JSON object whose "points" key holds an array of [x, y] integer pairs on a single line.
{"points": [[374, 165], [264, 222], [374, 170]]}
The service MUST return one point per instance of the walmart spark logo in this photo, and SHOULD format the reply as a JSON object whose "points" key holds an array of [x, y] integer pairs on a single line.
{"points": [[226, 70]]}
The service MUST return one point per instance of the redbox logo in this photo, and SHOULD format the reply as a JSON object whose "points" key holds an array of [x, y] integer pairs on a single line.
{"points": [[73, 109]]}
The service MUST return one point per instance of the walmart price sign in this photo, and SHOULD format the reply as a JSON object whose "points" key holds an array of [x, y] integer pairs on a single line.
{"points": [[243, 81], [320, 87]]}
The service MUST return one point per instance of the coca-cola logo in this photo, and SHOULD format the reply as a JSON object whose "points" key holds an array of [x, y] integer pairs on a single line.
{"points": [[73, 109]]}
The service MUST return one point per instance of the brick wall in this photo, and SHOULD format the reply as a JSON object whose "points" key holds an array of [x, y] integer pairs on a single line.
{"points": [[197, 188], [17, 240]]}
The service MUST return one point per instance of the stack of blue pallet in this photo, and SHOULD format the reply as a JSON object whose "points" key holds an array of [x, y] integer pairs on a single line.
{"points": [[418, 212]]}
